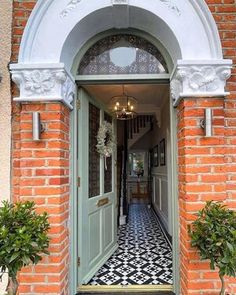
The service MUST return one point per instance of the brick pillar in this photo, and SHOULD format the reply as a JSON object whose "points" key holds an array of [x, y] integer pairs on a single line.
{"points": [[41, 174], [202, 177]]}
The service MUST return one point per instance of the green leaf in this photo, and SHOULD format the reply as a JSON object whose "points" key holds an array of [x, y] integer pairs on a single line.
{"points": [[213, 233], [26, 260], [226, 260], [23, 235], [230, 247], [14, 256]]}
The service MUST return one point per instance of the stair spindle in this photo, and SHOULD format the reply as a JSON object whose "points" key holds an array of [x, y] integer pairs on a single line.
{"points": [[128, 133], [138, 124], [134, 121], [131, 129]]}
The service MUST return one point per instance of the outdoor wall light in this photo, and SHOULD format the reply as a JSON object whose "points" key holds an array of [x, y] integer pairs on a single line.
{"points": [[37, 126], [206, 123]]}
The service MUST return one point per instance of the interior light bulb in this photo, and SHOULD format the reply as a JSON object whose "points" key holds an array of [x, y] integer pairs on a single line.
{"points": [[132, 107], [117, 103]]}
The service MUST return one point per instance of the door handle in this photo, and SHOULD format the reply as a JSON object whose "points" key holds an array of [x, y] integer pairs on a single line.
{"points": [[102, 202]]}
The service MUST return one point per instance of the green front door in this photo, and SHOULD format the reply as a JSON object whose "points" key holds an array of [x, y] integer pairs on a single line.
{"points": [[97, 193]]}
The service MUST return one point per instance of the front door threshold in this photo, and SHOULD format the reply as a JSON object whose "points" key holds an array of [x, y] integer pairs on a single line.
{"points": [[139, 289]]}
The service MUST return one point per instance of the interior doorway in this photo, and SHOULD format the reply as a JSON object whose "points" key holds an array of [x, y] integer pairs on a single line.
{"points": [[142, 256]]}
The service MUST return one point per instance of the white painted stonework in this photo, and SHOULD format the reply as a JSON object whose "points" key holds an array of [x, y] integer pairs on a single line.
{"points": [[57, 31], [120, 2], [70, 6], [42, 82], [196, 79], [172, 5]]}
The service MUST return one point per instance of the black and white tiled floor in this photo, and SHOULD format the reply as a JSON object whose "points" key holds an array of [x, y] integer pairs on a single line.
{"points": [[144, 256]]}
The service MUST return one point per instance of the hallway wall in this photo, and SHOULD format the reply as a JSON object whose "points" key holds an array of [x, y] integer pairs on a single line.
{"points": [[160, 195], [160, 185]]}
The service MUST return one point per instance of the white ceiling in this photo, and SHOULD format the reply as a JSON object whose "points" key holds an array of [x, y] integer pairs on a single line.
{"points": [[146, 94]]}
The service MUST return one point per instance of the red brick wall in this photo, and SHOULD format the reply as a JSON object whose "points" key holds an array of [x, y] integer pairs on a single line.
{"points": [[42, 170], [21, 12], [207, 168], [41, 173], [202, 177]]}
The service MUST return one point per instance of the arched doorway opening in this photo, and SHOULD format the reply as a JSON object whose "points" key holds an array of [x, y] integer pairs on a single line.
{"points": [[103, 73]]}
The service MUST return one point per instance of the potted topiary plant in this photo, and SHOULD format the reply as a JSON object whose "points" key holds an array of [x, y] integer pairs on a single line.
{"points": [[23, 238], [213, 233]]}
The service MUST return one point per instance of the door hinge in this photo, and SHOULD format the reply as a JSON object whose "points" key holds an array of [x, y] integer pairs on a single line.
{"points": [[78, 182], [78, 261], [78, 104]]}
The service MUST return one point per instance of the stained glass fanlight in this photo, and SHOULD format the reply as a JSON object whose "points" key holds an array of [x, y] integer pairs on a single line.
{"points": [[122, 54]]}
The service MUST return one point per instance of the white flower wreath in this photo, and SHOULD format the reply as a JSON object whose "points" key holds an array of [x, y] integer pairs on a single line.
{"points": [[106, 140]]}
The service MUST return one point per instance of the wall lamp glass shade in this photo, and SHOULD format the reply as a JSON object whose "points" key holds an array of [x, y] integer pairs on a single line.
{"points": [[206, 123], [37, 127]]}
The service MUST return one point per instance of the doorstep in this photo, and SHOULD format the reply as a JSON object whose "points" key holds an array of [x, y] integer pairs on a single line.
{"points": [[127, 293]]}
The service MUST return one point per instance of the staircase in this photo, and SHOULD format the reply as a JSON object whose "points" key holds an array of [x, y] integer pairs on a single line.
{"points": [[138, 127]]}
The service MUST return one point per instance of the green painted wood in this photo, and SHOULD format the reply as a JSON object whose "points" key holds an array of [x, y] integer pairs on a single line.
{"points": [[128, 78], [174, 205], [73, 269], [98, 224]]}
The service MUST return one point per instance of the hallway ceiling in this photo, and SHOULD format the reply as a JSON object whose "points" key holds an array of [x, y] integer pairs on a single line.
{"points": [[147, 94]]}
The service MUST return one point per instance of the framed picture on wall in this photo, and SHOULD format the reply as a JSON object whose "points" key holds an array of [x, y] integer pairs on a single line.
{"points": [[162, 152], [155, 156]]}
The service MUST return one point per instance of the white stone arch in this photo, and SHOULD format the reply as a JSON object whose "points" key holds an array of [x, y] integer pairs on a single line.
{"points": [[57, 30]]}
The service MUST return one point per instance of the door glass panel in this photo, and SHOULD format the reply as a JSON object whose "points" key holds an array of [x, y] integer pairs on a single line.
{"points": [[94, 157], [108, 165], [108, 176]]}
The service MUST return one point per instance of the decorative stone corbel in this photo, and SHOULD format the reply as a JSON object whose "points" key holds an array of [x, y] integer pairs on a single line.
{"points": [[200, 79], [44, 82]]}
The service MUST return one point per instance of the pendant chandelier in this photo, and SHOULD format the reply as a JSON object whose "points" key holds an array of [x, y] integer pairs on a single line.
{"points": [[124, 106]]}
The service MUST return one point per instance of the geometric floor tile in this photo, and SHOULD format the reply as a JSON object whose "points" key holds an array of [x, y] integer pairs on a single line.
{"points": [[144, 256]]}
